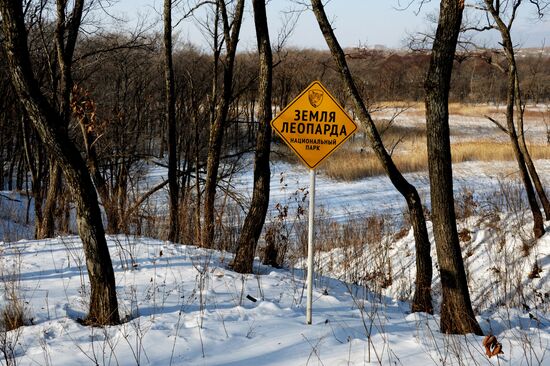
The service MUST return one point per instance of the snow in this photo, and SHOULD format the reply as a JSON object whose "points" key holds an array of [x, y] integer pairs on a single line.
{"points": [[183, 306], [376, 195], [13, 220]]}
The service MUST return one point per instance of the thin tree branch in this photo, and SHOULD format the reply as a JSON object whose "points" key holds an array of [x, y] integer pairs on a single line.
{"points": [[498, 124]]}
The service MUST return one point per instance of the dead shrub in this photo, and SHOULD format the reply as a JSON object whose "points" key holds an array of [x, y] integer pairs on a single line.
{"points": [[276, 243], [285, 233], [188, 230], [465, 204], [464, 235], [403, 232], [13, 313], [527, 244], [535, 271]]}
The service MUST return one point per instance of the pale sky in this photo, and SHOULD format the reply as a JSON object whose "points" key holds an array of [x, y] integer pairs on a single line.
{"points": [[356, 22]]}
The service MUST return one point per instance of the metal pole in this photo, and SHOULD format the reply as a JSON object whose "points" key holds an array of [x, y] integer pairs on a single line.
{"points": [[310, 245]]}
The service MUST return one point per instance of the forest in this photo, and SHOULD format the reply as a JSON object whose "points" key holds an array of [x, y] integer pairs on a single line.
{"points": [[108, 134], [118, 89]]}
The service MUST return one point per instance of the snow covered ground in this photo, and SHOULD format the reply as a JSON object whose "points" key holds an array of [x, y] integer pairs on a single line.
{"points": [[183, 305], [376, 195]]}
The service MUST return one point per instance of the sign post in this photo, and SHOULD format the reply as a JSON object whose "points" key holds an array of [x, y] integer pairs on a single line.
{"points": [[313, 125], [311, 218]]}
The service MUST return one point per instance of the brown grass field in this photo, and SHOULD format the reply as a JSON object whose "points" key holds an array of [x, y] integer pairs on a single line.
{"points": [[461, 109], [352, 164], [407, 141]]}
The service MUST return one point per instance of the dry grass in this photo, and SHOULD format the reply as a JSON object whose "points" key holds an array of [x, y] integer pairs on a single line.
{"points": [[390, 132], [493, 151], [351, 164], [480, 110], [12, 312], [418, 109], [460, 109], [411, 105], [474, 110], [13, 315], [407, 143]]}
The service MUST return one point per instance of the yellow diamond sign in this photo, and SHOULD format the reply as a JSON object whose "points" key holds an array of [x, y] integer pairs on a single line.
{"points": [[314, 125]]}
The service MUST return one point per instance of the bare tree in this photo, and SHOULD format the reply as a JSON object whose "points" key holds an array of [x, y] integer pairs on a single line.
{"points": [[45, 118], [255, 218], [422, 301], [231, 31], [170, 113], [457, 315], [514, 103], [50, 39]]}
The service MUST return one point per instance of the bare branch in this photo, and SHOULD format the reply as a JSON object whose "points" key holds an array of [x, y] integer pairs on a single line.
{"points": [[541, 6], [409, 3], [191, 11], [9, 198], [144, 197], [131, 44], [498, 124], [289, 20]]}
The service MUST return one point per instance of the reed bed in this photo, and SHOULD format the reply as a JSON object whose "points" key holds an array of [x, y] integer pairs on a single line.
{"points": [[350, 164]]}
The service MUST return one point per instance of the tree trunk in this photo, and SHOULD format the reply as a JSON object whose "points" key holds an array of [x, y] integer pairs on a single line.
{"points": [[457, 316], [529, 162], [170, 110], [36, 177], [47, 227], [103, 302], [538, 222], [513, 93], [422, 300], [231, 35], [255, 218], [198, 229], [536, 179], [525, 151]]}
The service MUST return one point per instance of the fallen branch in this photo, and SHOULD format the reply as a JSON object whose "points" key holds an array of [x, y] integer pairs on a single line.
{"points": [[9, 198]]}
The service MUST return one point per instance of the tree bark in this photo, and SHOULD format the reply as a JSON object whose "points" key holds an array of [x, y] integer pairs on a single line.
{"points": [[539, 189], [422, 300], [523, 146], [231, 35], [170, 113], [47, 227], [457, 316], [513, 93], [66, 34], [255, 218], [103, 302]]}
